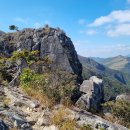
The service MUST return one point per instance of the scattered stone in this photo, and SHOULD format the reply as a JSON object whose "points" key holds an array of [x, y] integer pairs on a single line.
{"points": [[43, 121], [52, 127]]}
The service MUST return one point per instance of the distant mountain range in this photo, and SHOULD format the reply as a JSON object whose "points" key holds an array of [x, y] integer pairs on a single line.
{"points": [[115, 81], [120, 63]]}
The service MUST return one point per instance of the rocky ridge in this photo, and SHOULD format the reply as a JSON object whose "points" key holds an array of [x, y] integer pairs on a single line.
{"points": [[50, 42], [26, 114]]}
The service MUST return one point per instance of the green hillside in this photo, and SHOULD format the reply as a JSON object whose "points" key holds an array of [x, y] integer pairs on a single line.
{"points": [[115, 82], [120, 63]]}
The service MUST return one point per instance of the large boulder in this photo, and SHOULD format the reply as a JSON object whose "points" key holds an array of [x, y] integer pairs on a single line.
{"points": [[93, 94]]}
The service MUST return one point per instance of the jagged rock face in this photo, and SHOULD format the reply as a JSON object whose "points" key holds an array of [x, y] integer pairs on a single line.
{"points": [[93, 94], [49, 42]]}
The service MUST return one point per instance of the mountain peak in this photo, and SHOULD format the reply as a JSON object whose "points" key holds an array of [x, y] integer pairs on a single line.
{"points": [[50, 42]]}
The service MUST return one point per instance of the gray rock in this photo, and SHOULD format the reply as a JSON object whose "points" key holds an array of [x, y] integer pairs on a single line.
{"points": [[3, 126], [125, 97], [93, 94], [45, 121], [17, 99], [17, 120], [54, 44], [101, 125], [52, 127], [1, 33], [95, 121]]}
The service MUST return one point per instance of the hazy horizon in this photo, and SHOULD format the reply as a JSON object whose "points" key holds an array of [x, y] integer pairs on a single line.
{"points": [[97, 28]]}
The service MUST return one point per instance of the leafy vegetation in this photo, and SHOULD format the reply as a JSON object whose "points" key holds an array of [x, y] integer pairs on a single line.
{"points": [[45, 83], [62, 119], [120, 110], [86, 127], [41, 83], [29, 57], [13, 27], [4, 75]]}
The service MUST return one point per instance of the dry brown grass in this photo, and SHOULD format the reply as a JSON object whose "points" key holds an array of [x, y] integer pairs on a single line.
{"points": [[68, 125], [110, 118], [62, 120], [36, 95], [6, 101], [59, 116]]}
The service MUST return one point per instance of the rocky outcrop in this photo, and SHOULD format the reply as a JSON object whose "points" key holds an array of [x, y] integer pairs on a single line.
{"points": [[50, 42], [1, 33], [93, 94], [96, 122], [18, 115], [125, 97]]}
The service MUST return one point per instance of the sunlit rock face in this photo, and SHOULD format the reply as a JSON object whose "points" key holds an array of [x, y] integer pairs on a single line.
{"points": [[93, 94], [50, 42]]}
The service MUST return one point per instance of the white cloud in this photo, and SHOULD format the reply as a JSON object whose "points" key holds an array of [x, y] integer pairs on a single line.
{"points": [[117, 23], [91, 32], [37, 25], [22, 20], [119, 16], [106, 51], [81, 22], [119, 30]]}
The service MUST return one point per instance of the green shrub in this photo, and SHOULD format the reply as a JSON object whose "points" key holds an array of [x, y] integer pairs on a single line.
{"points": [[86, 127], [120, 110], [26, 77], [4, 74], [62, 120]]}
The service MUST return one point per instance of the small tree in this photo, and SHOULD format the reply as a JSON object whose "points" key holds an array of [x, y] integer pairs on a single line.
{"points": [[13, 27]]}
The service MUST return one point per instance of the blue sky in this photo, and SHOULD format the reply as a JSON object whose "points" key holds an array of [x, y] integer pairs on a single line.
{"points": [[99, 28]]}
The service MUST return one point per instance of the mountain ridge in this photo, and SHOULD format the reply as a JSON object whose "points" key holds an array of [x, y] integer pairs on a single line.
{"points": [[120, 63], [113, 79]]}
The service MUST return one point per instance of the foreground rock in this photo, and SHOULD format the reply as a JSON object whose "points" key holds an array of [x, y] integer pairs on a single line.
{"points": [[24, 117], [93, 94], [96, 122]]}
